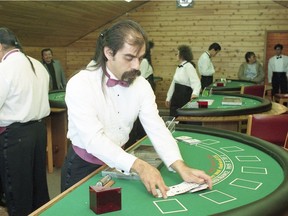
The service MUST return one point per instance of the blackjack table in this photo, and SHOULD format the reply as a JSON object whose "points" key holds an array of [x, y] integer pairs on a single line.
{"points": [[57, 99], [229, 85], [250, 177], [249, 105], [228, 117]]}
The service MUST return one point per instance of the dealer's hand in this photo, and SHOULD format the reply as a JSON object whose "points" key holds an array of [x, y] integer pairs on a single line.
{"points": [[151, 177], [191, 175]]}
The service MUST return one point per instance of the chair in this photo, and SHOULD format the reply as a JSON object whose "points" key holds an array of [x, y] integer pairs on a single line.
{"points": [[255, 90], [281, 98], [286, 142], [272, 128]]}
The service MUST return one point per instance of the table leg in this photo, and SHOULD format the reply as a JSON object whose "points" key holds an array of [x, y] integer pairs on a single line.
{"points": [[49, 145], [59, 139]]}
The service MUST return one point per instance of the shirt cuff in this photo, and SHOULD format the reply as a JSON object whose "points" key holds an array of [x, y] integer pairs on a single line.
{"points": [[126, 162]]}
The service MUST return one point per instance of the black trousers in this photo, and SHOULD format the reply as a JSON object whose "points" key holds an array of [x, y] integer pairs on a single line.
{"points": [[181, 96], [23, 167], [279, 83], [75, 169], [206, 81]]}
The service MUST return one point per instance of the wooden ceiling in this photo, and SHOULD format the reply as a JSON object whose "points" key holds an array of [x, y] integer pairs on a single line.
{"points": [[282, 2], [59, 23]]}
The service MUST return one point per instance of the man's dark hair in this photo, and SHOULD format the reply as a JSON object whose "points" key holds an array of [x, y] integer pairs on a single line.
{"points": [[125, 31], [45, 50], [215, 46], [278, 46], [148, 52], [9, 40]]}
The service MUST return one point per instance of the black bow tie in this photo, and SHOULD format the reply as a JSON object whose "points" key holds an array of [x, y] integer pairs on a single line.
{"points": [[278, 57], [179, 66]]}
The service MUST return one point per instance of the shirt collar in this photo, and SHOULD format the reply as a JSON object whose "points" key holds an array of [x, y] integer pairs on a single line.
{"points": [[9, 53]]}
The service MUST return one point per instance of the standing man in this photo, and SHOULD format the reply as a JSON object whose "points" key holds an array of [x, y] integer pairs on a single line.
{"points": [[57, 75], [104, 101], [24, 84], [205, 65], [278, 71]]}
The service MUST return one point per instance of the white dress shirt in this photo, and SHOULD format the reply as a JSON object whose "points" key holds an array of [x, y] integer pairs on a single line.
{"points": [[185, 75], [277, 65], [145, 68], [101, 118], [205, 65], [23, 95]]}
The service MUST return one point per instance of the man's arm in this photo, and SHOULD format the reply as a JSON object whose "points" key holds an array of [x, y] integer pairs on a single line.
{"points": [[152, 178]]}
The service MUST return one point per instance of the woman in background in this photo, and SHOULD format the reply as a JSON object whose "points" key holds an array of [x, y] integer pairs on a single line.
{"points": [[186, 84], [251, 70]]}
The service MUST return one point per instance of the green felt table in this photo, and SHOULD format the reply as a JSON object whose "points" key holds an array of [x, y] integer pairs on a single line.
{"points": [[57, 99], [231, 85], [250, 105], [250, 178]]}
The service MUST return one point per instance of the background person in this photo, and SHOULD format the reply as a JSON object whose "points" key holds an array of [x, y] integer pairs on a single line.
{"points": [[23, 103], [205, 65], [103, 103], [185, 85], [251, 70], [146, 66], [56, 72], [278, 71]]}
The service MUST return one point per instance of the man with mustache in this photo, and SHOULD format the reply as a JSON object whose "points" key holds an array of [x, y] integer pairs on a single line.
{"points": [[103, 102]]}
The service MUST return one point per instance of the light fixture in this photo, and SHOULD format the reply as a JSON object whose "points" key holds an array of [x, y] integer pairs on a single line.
{"points": [[184, 3]]}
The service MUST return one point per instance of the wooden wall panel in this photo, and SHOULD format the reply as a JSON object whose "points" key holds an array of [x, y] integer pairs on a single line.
{"points": [[239, 26]]}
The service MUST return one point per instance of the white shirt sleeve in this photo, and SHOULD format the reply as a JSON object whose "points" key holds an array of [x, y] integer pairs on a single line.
{"points": [[193, 78], [205, 65]]}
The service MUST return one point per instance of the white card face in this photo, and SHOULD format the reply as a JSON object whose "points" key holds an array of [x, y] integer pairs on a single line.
{"points": [[183, 188], [188, 140]]}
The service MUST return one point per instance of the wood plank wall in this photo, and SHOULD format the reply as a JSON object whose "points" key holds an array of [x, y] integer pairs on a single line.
{"points": [[239, 26]]}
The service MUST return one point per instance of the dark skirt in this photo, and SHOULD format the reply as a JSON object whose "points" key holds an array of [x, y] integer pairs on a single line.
{"points": [[181, 96]]}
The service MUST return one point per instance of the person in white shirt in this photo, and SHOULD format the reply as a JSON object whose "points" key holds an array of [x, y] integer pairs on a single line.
{"points": [[205, 65], [251, 70], [24, 84], [278, 71], [185, 85], [146, 66], [103, 102]]}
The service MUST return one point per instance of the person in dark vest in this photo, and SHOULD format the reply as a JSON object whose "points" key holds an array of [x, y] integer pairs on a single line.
{"points": [[185, 85]]}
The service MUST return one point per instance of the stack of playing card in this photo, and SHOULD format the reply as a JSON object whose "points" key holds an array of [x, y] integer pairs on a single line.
{"points": [[188, 140]]}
